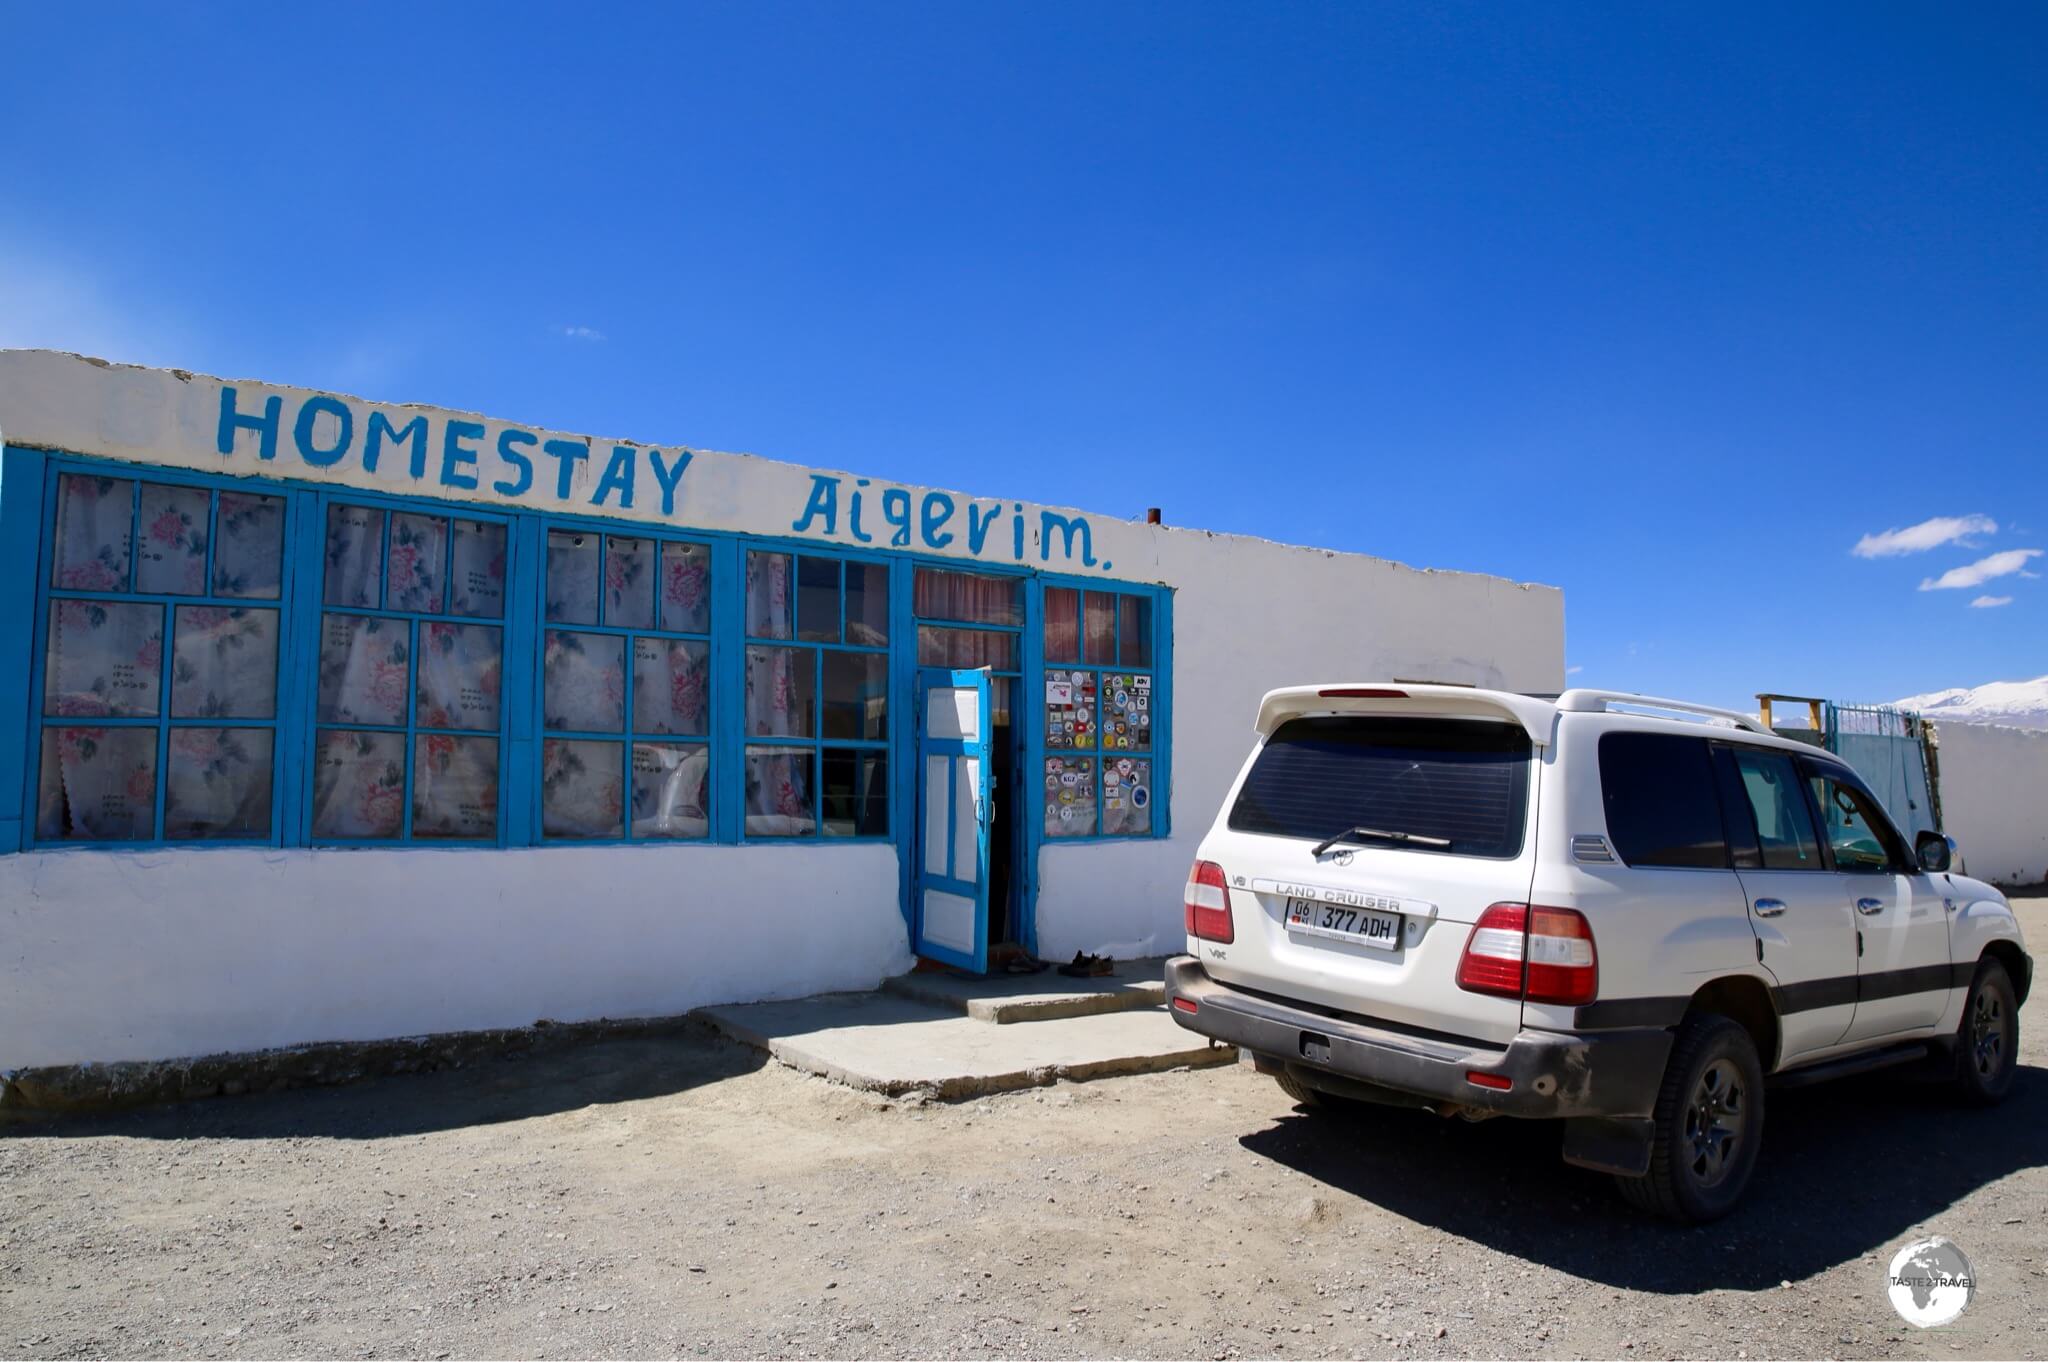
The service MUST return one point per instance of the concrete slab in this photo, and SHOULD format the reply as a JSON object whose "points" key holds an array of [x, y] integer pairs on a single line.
{"points": [[1004, 998], [895, 1045]]}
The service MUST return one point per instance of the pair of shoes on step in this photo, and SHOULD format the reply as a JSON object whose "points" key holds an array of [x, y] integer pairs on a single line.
{"points": [[1086, 966]]}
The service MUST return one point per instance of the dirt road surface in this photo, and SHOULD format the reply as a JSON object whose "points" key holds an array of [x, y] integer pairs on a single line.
{"points": [[676, 1197]]}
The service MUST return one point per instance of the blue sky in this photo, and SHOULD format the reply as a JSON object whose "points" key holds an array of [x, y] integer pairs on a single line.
{"points": [[1668, 307]]}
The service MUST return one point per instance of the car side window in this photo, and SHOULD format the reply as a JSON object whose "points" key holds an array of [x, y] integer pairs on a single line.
{"points": [[1662, 808], [1859, 834], [1784, 826]]}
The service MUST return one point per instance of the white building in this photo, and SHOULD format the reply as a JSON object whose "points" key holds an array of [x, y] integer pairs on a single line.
{"points": [[328, 719]]}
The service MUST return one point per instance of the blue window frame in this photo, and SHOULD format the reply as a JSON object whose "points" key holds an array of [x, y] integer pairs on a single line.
{"points": [[155, 690], [626, 687], [1103, 713], [815, 719], [408, 707]]}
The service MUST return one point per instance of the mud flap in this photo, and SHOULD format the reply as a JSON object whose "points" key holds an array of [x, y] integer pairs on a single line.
{"points": [[1610, 1144]]}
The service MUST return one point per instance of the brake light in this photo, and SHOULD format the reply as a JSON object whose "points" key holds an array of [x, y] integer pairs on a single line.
{"points": [[1208, 904], [1361, 693], [1188, 1005], [1542, 955]]}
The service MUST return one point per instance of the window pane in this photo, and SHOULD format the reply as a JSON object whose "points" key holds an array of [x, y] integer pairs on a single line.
{"points": [[817, 599], [966, 648], [94, 518], [97, 785], [856, 793], [419, 546], [1126, 712], [223, 664], [671, 790], [478, 577], [248, 546], [454, 787], [572, 577], [970, 597], [856, 696], [1134, 632], [1662, 808], [217, 784], [1070, 796], [1062, 624], [459, 673], [1784, 827], [1069, 708], [105, 657], [1098, 628], [768, 595], [365, 663], [172, 555], [1861, 836], [358, 784], [686, 588], [1127, 797], [671, 686], [779, 792], [867, 604], [583, 682], [355, 555], [781, 685], [582, 788], [628, 582]]}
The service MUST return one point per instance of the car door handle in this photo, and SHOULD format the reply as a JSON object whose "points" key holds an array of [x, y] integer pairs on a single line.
{"points": [[1769, 907], [1869, 907]]}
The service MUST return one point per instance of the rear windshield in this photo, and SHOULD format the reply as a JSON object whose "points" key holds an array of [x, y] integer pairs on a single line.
{"points": [[1465, 781]]}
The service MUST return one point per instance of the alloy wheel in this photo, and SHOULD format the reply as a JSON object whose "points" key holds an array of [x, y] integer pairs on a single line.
{"points": [[1987, 1032], [1713, 1122]]}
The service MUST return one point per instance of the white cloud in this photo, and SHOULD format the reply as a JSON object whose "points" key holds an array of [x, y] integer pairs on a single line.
{"points": [[583, 333], [1928, 534], [1990, 602], [1573, 671], [1983, 570]]}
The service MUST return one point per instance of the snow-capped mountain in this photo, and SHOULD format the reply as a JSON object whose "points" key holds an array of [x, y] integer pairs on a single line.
{"points": [[2016, 704]]}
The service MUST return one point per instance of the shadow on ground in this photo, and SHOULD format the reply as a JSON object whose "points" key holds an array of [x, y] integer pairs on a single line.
{"points": [[1846, 1169], [510, 1087]]}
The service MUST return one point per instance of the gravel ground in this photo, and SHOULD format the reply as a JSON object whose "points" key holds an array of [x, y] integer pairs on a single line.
{"points": [[675, 1197]]}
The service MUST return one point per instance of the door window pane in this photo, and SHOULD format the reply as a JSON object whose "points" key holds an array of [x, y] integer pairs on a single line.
{"points": [[97, 785], [572, 577], [1860, 835], [966, 648], [768, 595], [1098, 628], [365, 664], [355, 555], [104, 658], [582, 788], [459, 667], [671, 686], [583, 682], [1784, 827], [817, 599], [248, 546], [217, 784], [629, 582], [1127, 796], [781, 691], [671, 790], [478, 577], [95, 516], [223, 664], [1662, 808], [686, 588], [358, 785], [172, 555], [856, 793], [1134, 631], [1069, 797], [867, 604], [779, 792], [454, 787], [969, 597], [419, 546], [1062, 624], [856, 696]]}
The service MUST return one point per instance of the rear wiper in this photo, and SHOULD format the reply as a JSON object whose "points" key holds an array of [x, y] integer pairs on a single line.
{"points": [[1379, 835]]}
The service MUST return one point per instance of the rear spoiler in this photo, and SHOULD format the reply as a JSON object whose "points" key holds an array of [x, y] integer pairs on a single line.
{"points": [[1397, 699]]}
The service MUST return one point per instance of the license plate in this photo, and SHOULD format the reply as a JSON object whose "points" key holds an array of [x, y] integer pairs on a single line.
{"points": [[1366, 926]]}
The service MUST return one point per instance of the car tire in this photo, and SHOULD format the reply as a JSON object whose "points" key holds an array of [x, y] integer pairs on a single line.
{"points": [[1988, 1037], [1311, 1099], [1709, 1124]]}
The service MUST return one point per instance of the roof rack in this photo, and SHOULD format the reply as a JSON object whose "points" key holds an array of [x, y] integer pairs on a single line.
{"points": [[1604, 701]]}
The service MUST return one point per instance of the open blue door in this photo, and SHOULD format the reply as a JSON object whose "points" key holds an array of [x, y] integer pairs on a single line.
{"points": [[949, 878]]}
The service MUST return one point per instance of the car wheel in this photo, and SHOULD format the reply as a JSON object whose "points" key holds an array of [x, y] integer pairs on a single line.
{"points": [[1310, 1098], [1988, 1037], [1709, 1124]]}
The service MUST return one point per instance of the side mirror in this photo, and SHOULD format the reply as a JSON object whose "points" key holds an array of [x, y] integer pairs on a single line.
{"points": [[1932, 850]]}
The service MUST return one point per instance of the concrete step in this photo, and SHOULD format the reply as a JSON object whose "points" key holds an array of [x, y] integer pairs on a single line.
{"points": [[896, 1045], [1004, 998]]}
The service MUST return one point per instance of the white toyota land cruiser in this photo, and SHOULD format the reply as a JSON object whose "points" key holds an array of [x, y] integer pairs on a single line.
{"points": [[1484, 903]]}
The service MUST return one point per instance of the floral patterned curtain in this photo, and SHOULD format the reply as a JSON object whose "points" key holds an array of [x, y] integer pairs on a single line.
{"points": [[778, 794]]}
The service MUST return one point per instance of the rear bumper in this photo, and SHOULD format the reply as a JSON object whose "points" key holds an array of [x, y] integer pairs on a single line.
{"points": [[1607, 1074]]}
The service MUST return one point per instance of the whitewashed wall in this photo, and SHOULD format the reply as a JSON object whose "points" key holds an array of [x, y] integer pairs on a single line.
{"points": [[1992, 803]]}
